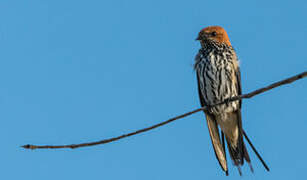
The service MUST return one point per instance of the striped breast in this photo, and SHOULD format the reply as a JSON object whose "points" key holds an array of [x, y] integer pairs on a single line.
{"points": [[216, 73]]}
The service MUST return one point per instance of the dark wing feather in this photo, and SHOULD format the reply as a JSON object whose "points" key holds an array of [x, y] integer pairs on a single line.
{"points": [[238, 76], [243, 148], [246, 155]]}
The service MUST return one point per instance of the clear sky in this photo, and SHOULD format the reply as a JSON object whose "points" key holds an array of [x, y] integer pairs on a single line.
{"points": [[77, 71]]}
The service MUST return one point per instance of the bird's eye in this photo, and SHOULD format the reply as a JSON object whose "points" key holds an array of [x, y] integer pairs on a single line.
{"points": [[213, 34]]}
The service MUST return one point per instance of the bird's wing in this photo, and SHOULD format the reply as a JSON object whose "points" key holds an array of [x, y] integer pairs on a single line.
{"points": [[246, 155], [214, 134], [239, 88]]}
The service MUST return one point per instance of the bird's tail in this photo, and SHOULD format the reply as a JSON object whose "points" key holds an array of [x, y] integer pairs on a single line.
{"points": [[239, 154], [237, 149]]}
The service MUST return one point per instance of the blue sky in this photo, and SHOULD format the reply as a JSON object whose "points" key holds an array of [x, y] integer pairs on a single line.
{"points": [[76, 71]]}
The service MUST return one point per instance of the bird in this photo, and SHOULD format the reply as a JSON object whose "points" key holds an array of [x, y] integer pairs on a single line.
{"points": [[219, 78]]}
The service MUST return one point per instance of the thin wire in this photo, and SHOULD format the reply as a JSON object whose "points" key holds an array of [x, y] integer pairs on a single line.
{"points": [[104, 141]]}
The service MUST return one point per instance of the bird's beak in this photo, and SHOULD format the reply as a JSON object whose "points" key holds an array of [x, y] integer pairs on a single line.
{"points": [[198, 38]]}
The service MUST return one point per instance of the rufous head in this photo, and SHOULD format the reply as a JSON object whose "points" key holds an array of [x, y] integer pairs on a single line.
{"points": [[214, 33]]}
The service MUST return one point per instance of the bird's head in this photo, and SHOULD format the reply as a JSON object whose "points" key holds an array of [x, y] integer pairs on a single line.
{"points": [[213, 34]]}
